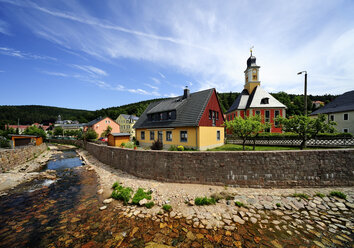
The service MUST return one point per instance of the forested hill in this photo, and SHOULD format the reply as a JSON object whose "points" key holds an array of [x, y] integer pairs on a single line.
{"points": [[28, 114]]}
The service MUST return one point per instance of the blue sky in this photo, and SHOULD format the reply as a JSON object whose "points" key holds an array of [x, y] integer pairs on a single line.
{"points": [[97, 54]]}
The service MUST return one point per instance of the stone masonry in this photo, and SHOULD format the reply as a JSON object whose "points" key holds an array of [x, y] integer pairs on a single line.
{"points": [[283, 169], [10, 158]]}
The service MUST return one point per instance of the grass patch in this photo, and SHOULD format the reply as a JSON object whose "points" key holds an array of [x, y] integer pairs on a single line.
{"points": [[140, 195], [239, 204], [338, 194], [222, 195], [278, 205], [320, 195], [167, 208], [115, 185], [122, 193], [301, 195], [199, 201], [149, 204], [233, 147]]}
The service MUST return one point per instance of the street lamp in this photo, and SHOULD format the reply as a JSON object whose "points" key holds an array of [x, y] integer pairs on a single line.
{"points": [[305, 100]]}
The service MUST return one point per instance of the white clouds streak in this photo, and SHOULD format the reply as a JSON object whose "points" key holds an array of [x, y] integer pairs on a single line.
{"points": [[93, 71], [4, 28], [23, 55]]}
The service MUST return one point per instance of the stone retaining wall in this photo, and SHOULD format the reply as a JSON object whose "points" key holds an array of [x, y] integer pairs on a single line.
{"points": [[10, 158], [310, 168]]}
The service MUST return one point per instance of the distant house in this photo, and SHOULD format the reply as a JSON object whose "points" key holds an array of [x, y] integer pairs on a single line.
{"points": [[99, 125], [192, 120], [340, 110], [22, 128], [254, 100], [126, 123], [24, 140], [68, 124]]}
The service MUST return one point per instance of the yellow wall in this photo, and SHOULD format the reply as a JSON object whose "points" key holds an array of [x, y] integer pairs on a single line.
{"points": [[198, 137], [207, 137], [250, 86]]}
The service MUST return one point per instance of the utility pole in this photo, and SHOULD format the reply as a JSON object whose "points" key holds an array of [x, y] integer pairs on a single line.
{"points": [[305, 91]]}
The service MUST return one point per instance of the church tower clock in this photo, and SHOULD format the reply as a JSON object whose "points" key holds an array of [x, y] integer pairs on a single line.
{"points": [[251, 74]]}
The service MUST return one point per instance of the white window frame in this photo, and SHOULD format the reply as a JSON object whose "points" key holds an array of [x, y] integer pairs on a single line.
{"points": [[345, 129], [330, 117], [347, 116], [218, 135]]}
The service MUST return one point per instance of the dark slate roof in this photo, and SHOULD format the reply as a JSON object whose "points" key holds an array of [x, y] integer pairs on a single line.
{"points": [[245, 101], [120, 134], [188, 111], [94, 121], [342, 103], [130, 117]]}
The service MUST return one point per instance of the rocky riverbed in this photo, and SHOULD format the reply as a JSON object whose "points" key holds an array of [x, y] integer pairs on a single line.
{"points": [[268, 217]]}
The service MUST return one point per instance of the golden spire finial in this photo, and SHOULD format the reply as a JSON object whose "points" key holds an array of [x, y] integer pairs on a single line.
{"points": [[251, 49]]}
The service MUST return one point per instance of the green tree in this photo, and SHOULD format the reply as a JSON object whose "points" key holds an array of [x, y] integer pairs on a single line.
{"points": [[246, 128], [58, 131], [106, 132], [306, 127], [90, 134], [33, 130]]}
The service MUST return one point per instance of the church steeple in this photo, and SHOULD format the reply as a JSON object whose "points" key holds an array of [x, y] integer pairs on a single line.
{"points": [[251, 74]]}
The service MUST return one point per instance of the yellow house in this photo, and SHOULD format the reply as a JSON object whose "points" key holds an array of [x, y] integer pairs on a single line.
{"points": [[126, 123], [192, 120]]}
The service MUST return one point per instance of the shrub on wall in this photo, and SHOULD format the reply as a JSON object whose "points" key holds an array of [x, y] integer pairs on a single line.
{"points": [[157, 145]]}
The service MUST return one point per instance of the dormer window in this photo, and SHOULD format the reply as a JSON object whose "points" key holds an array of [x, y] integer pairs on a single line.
{"points": [[265, 100]]}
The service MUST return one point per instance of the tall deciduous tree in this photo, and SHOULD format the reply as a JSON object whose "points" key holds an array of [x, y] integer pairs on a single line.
{"points": [[58, 131], [33, 130], [306, 127], [246, 128]]}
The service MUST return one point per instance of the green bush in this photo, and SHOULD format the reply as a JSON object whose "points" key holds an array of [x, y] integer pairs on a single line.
{"points": [[301, 195], [90, 134], [278, 205], [4, 143], [167, 208], [338, 194], [199, 201], [320, 195], [173, 148], [115, 185], [139, 195], [180, 148], [122, 193], [239, 204], [149, 204], [129, 144]]}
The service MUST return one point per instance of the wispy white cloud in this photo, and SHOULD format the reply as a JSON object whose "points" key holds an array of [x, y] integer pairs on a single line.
{"points": [[151, 86], [4, 28], [23, 55], [155, 80], [209, 42], [93, 71], [58, 74]]}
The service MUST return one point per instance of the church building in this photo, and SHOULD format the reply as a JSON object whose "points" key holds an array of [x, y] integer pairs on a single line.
{"points": [[254, 100]]}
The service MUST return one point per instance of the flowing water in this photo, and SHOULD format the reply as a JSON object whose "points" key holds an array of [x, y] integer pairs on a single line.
{"points": [[65, 213]]}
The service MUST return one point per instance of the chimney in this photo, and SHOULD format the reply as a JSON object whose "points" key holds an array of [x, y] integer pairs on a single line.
{"points": [[186, 93]]}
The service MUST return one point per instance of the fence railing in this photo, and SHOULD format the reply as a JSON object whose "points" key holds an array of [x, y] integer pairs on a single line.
{"points": [[318, 142]]}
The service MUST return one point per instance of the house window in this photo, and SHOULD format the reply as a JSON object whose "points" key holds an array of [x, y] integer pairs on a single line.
{"points": [[169, 115], [152, 135], [217, 135], [331, 117], [276, 114], [168, 135], [210, 114], [254, 77], [142, 135], [345, 130], [346, 117], [160, 135], [183, 136], [267, 116], [214, 116], [265, 100], [217, 115], [258, 112]]}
